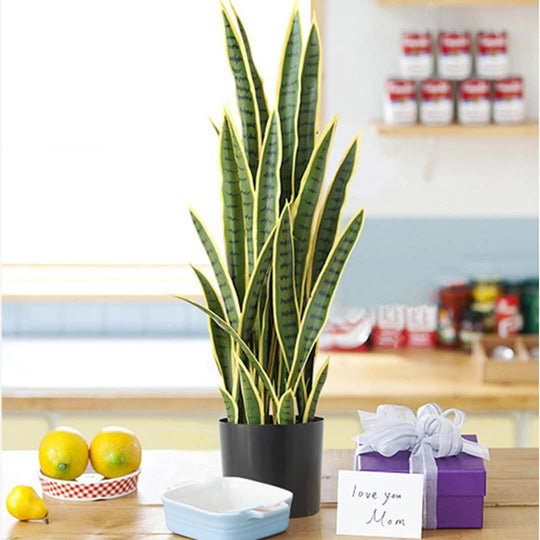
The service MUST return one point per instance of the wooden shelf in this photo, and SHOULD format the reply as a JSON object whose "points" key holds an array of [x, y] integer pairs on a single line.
{"points": [[529, 129], [60, 282], [442, 3]]}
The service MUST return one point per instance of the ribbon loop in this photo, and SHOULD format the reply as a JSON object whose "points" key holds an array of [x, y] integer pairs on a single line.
{"points": [[432, 433]]}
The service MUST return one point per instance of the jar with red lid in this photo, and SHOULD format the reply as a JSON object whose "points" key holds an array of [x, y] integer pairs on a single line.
{"points": [[453, 300]]}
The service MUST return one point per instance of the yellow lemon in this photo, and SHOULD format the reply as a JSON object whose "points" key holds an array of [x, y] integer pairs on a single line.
{"points": [[115, 451], [23, 503], [63, 453]]}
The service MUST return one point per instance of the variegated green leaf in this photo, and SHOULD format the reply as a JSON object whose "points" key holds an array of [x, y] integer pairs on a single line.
{"points": [[265, 323], [248, 195], [234, 228], [267, 184], [329, 218], [253, 362], [301, 395], [230, 406], [306, 204], [286, 408], [255, 77], [284, 296], [253, 405], [308, 369], [318, 305], [228, 293], [288, 92], [221, 341], [255, 287], [309, 103], [245, 92], [216, 129], [311, 405]]}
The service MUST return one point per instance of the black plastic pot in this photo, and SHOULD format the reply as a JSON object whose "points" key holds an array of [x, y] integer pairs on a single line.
{"points": [[287, 456]]}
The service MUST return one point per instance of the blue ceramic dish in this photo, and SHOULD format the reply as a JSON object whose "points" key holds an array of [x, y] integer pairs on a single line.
{"points": [[228, 508]]}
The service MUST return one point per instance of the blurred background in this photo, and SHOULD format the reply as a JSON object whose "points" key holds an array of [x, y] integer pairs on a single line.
{"points": [[107, 142]]}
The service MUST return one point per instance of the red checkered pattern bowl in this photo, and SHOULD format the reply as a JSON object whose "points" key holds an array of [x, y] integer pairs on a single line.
{"points": [[89, 487]]}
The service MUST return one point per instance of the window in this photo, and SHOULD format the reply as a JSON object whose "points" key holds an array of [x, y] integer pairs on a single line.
{"points": [[106, 137]]}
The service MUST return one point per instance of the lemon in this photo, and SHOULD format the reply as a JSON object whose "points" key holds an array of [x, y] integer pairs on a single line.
{"points": [[23, 503], [115, 451], [63, 453]]}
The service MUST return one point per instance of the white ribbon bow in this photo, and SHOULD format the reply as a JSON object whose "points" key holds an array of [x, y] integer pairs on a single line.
{"points": [[430, 434]]}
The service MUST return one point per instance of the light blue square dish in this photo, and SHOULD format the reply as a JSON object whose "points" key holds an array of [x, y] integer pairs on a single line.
{"points": [[228, 508]]}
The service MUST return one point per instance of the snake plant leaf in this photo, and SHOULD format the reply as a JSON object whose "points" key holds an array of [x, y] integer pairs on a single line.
{"points": [[255, 287], [255, 77], [311, 405], [267, 184], [234, 228], [329, 217], [286, 408], [306, 204], [301, 395], [253, 362], [310, 81], [245, 91], [221, 341], [287, 100], [308, 369], [265, 325], [228, 292], [253, 405], [231, 407], [318, 305], [246, 189], [216, 129], [284, 295]]}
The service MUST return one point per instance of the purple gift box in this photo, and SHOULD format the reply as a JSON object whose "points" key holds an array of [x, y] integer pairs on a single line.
{"points": [[461, 485]]}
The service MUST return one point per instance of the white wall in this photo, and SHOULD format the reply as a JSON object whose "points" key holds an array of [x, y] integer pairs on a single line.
{"points": [[448, 177]]}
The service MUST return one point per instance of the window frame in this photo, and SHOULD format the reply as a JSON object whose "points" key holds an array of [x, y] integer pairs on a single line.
{"points": [[107, 282]]}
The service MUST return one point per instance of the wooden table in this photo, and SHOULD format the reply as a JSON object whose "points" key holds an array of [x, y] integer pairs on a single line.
{"points": [[511, 504], [180, 376]]}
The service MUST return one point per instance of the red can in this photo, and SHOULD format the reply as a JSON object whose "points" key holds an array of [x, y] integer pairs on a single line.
{"points": [[400, 105], [389, 327], [416, 60], [492, 60], [455, 55], [421, 327], [508, 104], [507, 316], [436, 102], [474, 104]]}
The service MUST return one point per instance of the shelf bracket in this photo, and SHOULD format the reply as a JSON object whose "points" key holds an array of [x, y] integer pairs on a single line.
{"points": [[430, 160]]}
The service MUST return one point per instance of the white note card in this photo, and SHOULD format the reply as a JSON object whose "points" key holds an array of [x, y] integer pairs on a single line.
{"points": [[380, 504]]}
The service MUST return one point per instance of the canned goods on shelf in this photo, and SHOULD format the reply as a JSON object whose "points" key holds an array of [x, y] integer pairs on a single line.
{"points": [[416, 60], [436, 102], [474, 104], [400, 102], [492, 60], [508, 104], [454, 60]]}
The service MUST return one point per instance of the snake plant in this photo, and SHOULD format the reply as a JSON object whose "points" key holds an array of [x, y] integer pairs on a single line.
{"points": [[284, 255]]}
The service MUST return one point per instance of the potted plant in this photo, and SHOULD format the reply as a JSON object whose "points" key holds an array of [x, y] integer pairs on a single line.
{"points": [[283, 261]]}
